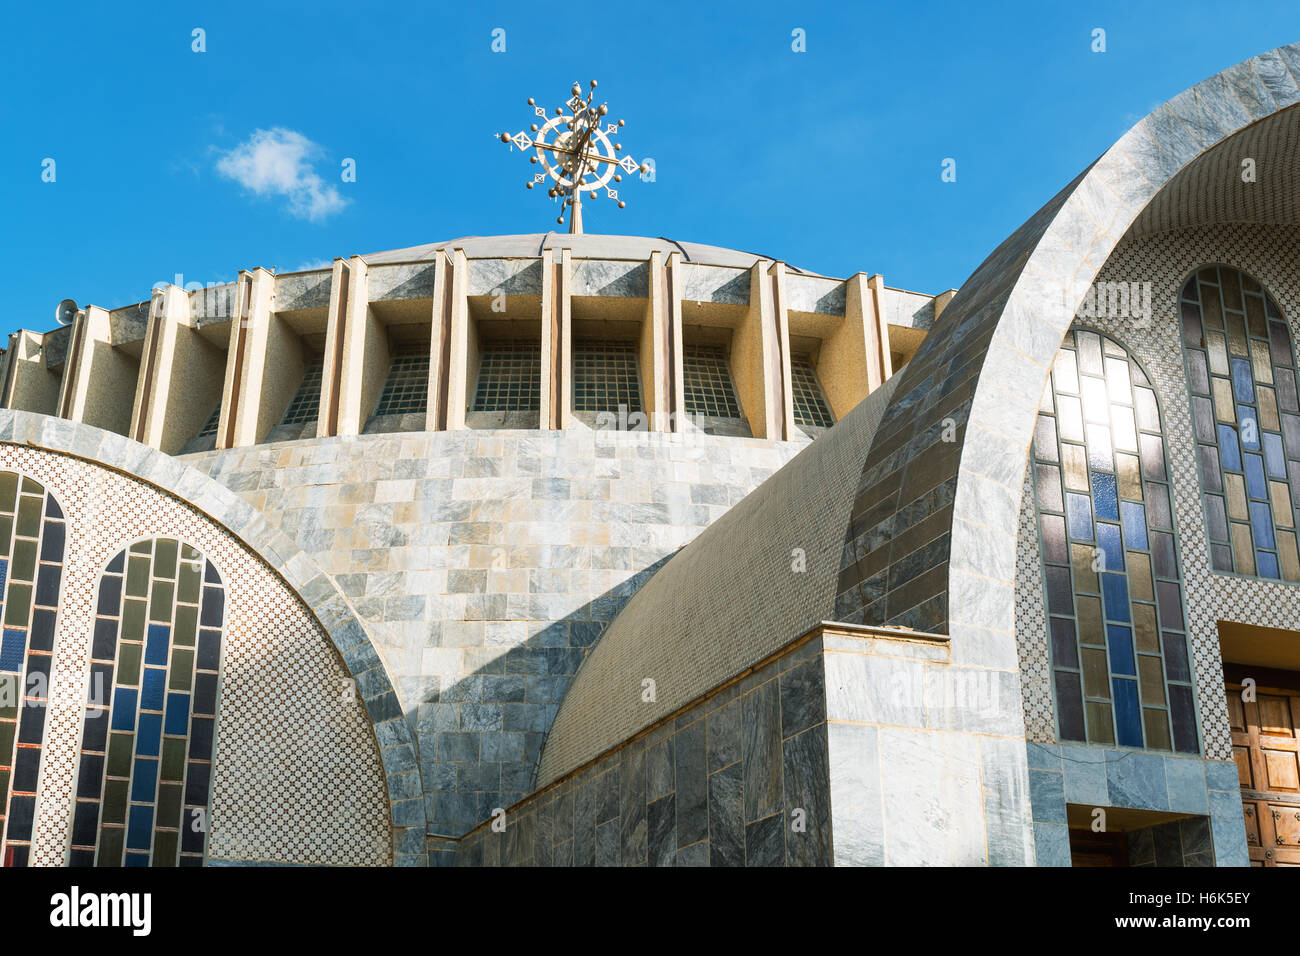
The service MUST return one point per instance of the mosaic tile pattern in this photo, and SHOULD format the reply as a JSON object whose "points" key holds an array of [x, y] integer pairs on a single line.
{"points": [[313, 794], [32, 535], [1268, 254]]}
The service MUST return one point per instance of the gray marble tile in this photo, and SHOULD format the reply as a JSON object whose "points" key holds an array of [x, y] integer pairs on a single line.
{"points": [[692, 784], [726, 817], [761, 729]]}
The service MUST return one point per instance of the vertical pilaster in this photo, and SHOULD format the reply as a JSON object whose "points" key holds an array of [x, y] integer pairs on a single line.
{"points": [[556, 344], [266, 370], [365, 355], [779, 374], [653, 353], [674, 282], [450, 368], [327, 421]]}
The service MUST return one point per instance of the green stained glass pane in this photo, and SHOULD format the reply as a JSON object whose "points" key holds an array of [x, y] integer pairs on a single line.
{"points": [[111, 840], [1101, 724], [120, 746], [133, 615], [173, 759], [160, 601], [6, 534], [164, 558], [1153, 679], [189, 552], [8, 491], [4, 789], [164, 847], [128, 670], [187, 619], [18, 605], [169, 805], [7, 729], [142, 547], [182, 671], [114, 802], [9, 686], [1096, 679], [189, 580], [29, 515], [137, 577], [31, 487], [1157, 728], [23, 567]]}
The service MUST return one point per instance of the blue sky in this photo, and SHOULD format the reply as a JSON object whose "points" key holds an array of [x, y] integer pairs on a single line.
{"points": [[829, 159]]}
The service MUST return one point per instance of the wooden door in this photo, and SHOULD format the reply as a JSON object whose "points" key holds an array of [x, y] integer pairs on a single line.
{"points": [[1266, 745]]}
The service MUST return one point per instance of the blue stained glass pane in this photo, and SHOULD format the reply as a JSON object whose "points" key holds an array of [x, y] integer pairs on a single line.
{"points": [[178, 713], [1266, 563], [1261, 522], [1079, 516], [1105, 498], [144, 781], [1135, 524], [11, 651], [1243, 385], [1249, 426], [138, 829], [1128, 714], [155, 651], [1228, 450], [1108, 543], [1114, 592], [1119, 641], [153, 688], [146, 741], [1274, 460], [124, 699], [136, 859], [4, 574], [1256, 486]]}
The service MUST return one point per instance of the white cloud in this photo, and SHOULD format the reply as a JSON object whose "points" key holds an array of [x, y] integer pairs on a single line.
{"points": [[277, 162]]}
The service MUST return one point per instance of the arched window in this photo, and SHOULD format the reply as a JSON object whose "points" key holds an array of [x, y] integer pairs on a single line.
{"points": [[146, 751], [1241, 372], [31, 564], [1119, 650]]}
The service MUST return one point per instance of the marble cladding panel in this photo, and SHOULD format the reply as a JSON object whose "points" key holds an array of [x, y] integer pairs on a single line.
{"points": [[737, 778], [55, 346], [926, 765], [815, 294], [911, 310], [128, 324], [722, 284], [1139, 780], [611, 277], [486, 564], [406, 280], [304, 290], [509, 276]]}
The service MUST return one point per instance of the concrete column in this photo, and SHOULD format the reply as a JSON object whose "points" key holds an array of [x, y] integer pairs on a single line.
{"points": [[653, 354], [451, 367], [674, 282], [878, 351], [782, 387], [182, 376], [327, 421], [756, 357], [98, 379], [556, 341], [264, 367], [365, 358]]}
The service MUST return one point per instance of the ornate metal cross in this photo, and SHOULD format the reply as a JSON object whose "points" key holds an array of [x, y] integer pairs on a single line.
{"points": [[579, 157]]}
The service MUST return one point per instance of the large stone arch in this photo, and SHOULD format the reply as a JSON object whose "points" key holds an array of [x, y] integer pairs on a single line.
{"points": [[980, 373], [397, 748]]}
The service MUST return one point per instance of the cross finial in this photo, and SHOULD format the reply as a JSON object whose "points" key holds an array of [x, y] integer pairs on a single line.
{"points": [[579, 156]]}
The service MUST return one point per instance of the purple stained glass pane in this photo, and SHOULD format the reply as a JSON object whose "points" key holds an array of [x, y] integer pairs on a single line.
{"points": [[1060, 600], [1184, 719], [1065, 650], [1153, 457], [1175, 646], [1055, 550], [1208, 456], [1069, 706], [1170, 598]]}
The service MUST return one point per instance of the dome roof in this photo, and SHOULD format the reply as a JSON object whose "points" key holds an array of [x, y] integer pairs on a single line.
{"points": [[585, 245], [725, 601]]}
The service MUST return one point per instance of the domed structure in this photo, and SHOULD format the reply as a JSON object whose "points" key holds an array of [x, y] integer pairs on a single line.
{"points": [[574, 549]]}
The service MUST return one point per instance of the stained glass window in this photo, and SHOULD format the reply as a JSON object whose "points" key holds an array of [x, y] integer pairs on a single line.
{"points": [[810, 406], [210, 425], [707, 382], [146, 751], [1241, 371], [1120, 664], [605, 377], [31, 565]]}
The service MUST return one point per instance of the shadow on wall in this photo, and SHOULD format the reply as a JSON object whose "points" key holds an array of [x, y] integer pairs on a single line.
{"points": [[481, 737]]}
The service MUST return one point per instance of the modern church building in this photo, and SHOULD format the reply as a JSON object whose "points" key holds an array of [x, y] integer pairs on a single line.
{"points": [[574, 549]]}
